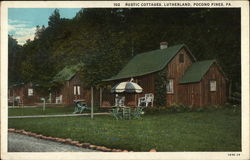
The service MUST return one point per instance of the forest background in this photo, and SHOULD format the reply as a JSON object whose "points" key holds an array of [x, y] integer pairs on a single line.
{"points": [[104, 40]]}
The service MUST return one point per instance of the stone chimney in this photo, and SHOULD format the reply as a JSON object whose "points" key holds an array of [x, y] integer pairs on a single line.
{"points": [[163, 45]]}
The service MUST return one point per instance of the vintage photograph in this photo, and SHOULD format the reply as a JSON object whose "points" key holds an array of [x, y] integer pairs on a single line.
{"points": [[124, 80]]}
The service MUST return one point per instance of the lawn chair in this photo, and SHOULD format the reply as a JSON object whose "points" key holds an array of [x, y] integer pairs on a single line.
{"points": [[19, 101], [146, 100], [117, 113], [120, 101], [80, 106], [126, 113], [137, 112]]}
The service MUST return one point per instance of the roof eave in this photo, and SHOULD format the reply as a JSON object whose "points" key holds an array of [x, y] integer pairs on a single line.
{"points": [[191, 54], [198, 81], [223, 73]]}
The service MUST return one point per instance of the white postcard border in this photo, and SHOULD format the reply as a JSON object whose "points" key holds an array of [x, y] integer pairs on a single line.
{"points": [[244, 5]]}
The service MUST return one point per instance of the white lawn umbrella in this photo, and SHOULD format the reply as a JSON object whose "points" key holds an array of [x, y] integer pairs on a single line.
{"points": [[129, 87]]}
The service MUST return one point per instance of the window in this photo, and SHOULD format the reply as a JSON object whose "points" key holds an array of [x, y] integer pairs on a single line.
{"points": [[77, 89], [212, 85], [181, 58], [170, 86], [30, 91]]}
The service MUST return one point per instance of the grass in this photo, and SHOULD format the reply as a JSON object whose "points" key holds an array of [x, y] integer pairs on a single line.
{"points": [[39, 111], [218, 130]]}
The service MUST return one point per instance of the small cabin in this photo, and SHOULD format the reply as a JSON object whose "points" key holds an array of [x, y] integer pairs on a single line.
{"points": [[70, 87], [188, 81], [23, 94]]}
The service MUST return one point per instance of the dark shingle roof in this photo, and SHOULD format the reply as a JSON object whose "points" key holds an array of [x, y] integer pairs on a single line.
{"points": [[67, 73], [148, 62], [196, 71]]}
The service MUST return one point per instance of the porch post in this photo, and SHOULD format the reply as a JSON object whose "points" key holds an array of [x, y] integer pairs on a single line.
{"points": [[92, 103]]}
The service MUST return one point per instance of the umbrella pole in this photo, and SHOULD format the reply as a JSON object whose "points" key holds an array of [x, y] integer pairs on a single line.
{"points": [[135, 100], [136, 94]]}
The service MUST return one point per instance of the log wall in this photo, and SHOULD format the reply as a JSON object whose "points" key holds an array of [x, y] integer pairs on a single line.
{"points": [[213, 97], [175, 70], [67, 92], [22, 92]]}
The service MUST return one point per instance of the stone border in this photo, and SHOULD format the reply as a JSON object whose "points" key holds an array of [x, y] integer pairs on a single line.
{"points": [[70, 141]]}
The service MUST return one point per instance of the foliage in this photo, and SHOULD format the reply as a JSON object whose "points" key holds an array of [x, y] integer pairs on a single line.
{"points": [[193, 131], [160, 88], [179, 108], [105, 39], [14, 60], [235, 98]]}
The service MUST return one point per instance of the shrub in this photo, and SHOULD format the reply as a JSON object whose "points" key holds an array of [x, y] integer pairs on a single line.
{"points": [[153, 110], [177, 108], [235, 98]]}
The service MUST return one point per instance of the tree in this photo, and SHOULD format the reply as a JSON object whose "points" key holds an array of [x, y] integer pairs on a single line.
{"points": [[104, 38], [14, 60], [54, 19]]}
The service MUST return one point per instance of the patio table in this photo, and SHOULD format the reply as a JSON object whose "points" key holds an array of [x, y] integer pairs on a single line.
{"points": [[121, 112]]}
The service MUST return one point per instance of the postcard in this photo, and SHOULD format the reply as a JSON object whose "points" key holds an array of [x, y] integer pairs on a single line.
{"points": [[124, 80]]}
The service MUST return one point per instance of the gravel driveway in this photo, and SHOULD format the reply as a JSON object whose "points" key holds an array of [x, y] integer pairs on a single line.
{"points": [[22, 143]]}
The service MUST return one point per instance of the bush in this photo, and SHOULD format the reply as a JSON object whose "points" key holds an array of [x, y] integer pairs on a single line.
{"points": [[207, 108], [179, 108], [174, 108], [153, 110], [235, 98], [234, 107]]}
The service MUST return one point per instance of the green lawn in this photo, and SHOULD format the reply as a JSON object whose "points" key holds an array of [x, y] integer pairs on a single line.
{"points": [[218, 130], [39, 111]]}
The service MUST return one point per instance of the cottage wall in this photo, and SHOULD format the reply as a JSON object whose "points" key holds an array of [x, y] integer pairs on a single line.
{"points": [[189, 94], [22, 92], [199, 94], [175, 70], [213, 97], [30, 100], [67, 91]]}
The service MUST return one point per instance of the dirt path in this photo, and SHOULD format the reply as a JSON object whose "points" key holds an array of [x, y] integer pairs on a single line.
{"points": [[60, 115], [22, 143]]}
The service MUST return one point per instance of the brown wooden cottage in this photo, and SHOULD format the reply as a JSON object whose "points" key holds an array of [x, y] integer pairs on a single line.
{"points": [[70, 86], [189, 82], [24, 94]]}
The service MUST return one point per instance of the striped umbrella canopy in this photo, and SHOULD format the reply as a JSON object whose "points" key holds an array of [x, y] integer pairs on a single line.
{"points": [[129, 87]]}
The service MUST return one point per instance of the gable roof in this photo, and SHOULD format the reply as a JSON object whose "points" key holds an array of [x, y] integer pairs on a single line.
{"points": [[149, 62], [196, 71], [67, 73]]}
